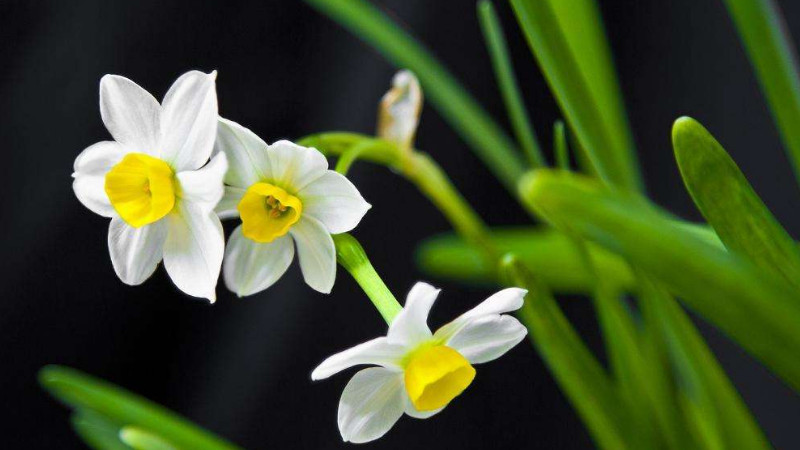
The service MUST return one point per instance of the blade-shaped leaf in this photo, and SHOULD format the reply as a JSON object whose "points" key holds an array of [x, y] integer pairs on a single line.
{"points": [[729, 203], [707, 392], [569, 43], [507, 82], [484, 136], [117, 405], [754, 307], [97, 431], [769, 46], [575, 369], [549, 254]]}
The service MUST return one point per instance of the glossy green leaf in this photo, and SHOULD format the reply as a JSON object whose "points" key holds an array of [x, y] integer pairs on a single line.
{"points": [[560, 148], [550, 255], [86, 393], [769, 46], [729, 203], [575, 369], [754, 307], [97, 431], [484, 136], [708, 397], [568, 41], [507, 82]]}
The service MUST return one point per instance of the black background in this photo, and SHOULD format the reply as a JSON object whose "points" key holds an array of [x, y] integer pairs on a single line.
{"points": [[241, 367]]}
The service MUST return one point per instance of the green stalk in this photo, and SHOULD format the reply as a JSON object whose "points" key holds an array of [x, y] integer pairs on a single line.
{"points": [[769, 47], [419, 169], [483, 135], [352, 257], [501, 62]]}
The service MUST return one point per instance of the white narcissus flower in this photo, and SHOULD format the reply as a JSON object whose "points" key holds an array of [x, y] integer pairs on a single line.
{"points": [[399, 110], [420, 372], [282, 192], [155, 182]]}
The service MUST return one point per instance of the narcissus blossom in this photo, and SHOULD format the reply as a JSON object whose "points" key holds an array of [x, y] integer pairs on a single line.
{"points": [[399, 110], [155, 182], [420, 372], [285, 196]]}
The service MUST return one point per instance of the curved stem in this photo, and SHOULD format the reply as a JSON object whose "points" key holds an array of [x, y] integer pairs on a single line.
{"points": [[421, 170], [350, 255]]}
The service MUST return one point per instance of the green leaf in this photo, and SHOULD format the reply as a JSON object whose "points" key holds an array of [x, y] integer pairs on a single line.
{"points": [[708, 396], [560, 148], [575, 369], [140, 439], [756, 308], [768, 43], [84, 392], [484, 136], [97, 431], [498, 51], [550, 255], [568, 41], [730, 204]]}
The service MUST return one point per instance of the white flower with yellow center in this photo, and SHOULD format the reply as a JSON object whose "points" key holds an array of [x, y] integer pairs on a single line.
{"points": [[283, 193], [420, 372], [155, 181]]}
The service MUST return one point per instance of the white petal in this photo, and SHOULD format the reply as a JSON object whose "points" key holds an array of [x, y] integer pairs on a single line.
{"points": [[130, 114], [193, 250], [333, 200], [410, 326], [189, 120], [135, 252], [371, 403], [412, 410], [316, 252], [246, 152], [91, 167], [204, 187], [292, 167], [378, 352], [251, 267], [487, 338], [227, 208], [507, 300]]}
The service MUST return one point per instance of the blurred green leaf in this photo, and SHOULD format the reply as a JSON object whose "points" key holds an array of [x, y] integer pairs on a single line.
{"points": [[140, 439], [730, 204], [498, 51], [86, 393], [550, 255], [757, 309], [560, 148], [769, 46], [575, 369], [710, 400], [569, 43], [446, 94], [97, 431]]}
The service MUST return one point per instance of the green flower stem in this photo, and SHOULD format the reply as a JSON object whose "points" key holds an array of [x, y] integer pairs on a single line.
{"points": [[349, 157], [352, 257], [501, 61], [421, 170]]}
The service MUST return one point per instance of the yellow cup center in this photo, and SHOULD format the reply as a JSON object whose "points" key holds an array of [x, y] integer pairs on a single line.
{"points": [[268, 212], [141, 189], [436, 375]]}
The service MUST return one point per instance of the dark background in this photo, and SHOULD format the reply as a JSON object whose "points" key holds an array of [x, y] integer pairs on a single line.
{"points": [[241, 367]]}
